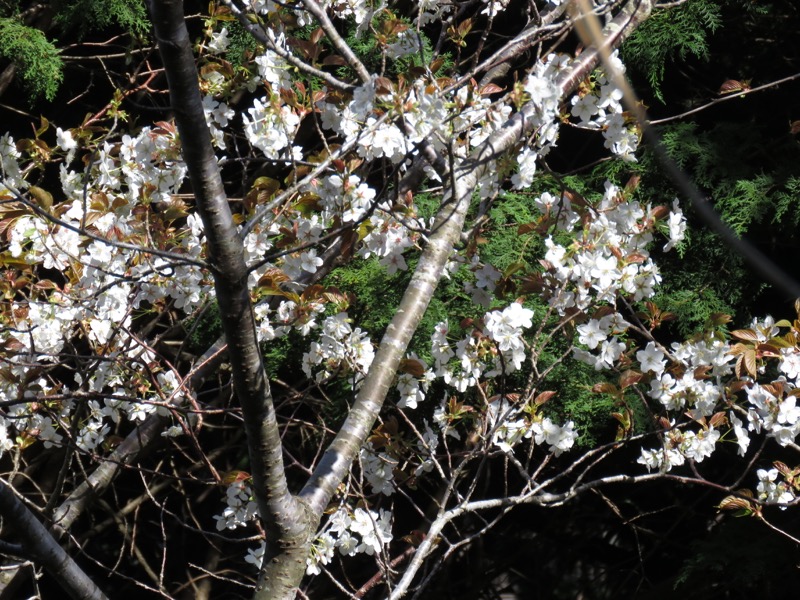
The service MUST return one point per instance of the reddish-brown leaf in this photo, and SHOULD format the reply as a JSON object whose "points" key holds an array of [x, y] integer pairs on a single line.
{"points": [[750, 362], [731, 86], [605, 388], [543, 397], [735, 503], [412, 366], [489, 89], [747, 335], [628, 378]]}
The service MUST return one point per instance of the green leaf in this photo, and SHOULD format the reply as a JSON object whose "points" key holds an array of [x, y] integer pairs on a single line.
{"points": [[40, 67]]}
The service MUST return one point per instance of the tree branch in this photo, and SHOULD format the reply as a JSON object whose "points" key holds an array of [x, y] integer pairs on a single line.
{"points": [[266, 38], [284, 518], [336, 461], [727, 98], [531, 35], [40, 546], [341, 46]]}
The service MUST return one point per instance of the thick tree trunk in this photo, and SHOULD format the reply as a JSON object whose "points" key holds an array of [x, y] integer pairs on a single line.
{"points": [[287, 522]]}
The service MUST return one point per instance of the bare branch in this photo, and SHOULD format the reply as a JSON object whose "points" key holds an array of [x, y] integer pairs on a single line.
{"points": [[268, 39], [40, 546], [715, 101], [341, 46]]}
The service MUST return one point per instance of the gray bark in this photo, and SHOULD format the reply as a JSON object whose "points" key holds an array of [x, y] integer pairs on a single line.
{"points": [[40, 547], [284, 517]]}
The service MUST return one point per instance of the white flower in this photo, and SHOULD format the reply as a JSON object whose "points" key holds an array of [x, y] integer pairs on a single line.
{"points": [[274, 69], [394, 262], [494, 7], [378, 470], [584, 107], [347, 544], [699, 446], [309, 261], [610, 351], [321, 554], [765, 328], [269, 128], [559, 438], [592, 333], [255, 556], [790, 362], [677, 227], [516, 316], [506, 426], [374, 528], [47, 433], [652, 459], [65, 140], [788, 412], [410, 391], [6, 442], [664, 389], [219, 41], [540, 89], [769, 490], [604, 270], [240, 510], [341, 349], [487, 277], [405, 44], [92, 435], [651, 359], [526, 160], [741, 435]]}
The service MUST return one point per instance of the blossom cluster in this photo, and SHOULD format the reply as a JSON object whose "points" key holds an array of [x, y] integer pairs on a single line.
{"points": [[679, 446], [413, 388], [599, 106], [608, 257], [509, 425], [692, 379], [771, 490], [341, 350], [377, 468], [125, 192], [544, 96], [360, 531], [498, 349], [241, 508]]}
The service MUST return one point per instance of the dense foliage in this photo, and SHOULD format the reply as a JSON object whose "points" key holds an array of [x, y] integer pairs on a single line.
{"points": [[587, 382]]}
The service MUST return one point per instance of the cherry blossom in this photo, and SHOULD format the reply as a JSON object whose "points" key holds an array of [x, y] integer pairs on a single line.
{"points": [[125, 244]]}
